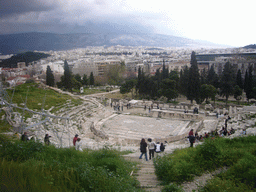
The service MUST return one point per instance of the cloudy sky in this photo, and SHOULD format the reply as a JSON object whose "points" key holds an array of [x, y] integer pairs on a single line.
{"points": [[220, 21]]}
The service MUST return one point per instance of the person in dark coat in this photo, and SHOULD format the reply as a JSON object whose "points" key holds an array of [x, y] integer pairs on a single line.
{"points": [[143, 149], [162, 147], [191, 137], [24, 137], [47, 139]]}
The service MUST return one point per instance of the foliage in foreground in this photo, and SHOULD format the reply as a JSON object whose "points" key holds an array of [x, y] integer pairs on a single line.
{"points": [[30, 166], [238, 154]]}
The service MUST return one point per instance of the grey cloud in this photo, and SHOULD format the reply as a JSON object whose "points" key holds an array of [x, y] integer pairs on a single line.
{"points": [[9, 8]]}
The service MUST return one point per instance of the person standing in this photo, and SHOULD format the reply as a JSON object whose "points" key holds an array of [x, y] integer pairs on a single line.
{"points": [[47, 139], [79, 144], [143, 149], [75, 139], [24, 137], [191, 137], [151, 148]]}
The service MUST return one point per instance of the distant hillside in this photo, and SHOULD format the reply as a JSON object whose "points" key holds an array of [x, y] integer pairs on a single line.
{"points": [[16, 43], [22, 57], [251, 46]]}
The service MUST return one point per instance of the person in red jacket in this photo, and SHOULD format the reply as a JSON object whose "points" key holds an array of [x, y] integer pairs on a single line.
{"points": [[75, 139]]}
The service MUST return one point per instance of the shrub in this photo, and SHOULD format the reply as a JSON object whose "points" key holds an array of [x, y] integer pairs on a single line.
{"points": [[208, 155]]}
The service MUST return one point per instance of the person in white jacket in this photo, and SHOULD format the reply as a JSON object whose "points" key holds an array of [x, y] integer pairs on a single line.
{"points": [[79, 144], [158, 150]]}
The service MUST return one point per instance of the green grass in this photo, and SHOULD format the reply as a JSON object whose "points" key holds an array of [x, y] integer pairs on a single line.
{"points": [[31, 166], [238, 154], [36, 96]]}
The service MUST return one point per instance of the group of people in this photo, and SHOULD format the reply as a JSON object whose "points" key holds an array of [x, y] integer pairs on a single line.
{"points": [[24, 137], [152, 148]]}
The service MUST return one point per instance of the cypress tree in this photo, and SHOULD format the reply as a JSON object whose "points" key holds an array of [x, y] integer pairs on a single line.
{"points": [[184, 78], [239, 79], [85, 80], [248, 87], [67, 81], [91, 79], [227, 81], [49, 76], [212, 78], [193, 92]]}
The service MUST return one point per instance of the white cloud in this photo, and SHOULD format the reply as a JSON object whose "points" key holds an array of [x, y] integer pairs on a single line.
{"points": [[219, 21]]}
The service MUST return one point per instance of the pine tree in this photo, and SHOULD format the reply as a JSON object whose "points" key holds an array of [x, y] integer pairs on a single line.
{"points": [[67, 79], [91, 79], [193, 92], [49, 76]]}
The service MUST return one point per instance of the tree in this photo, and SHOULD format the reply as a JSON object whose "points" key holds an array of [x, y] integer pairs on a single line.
{"points": [[115, 74], [193, 92], [239, 79], [184, 78], [76, 84], [67, 79], [91, 79], [212, 78], [49, 76], [168, 89], [208, 91], [238, 93], [203, 77], [174, 75], [85, 80], [165, 71], [227, 82], [248, 84], [78, 78], [128, 86]]}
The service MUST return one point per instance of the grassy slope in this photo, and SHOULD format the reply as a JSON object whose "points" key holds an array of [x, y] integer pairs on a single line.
{"points": [[239, 154]]}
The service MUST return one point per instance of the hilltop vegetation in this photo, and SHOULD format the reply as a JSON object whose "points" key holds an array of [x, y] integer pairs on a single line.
{"points": [[26, 57]]}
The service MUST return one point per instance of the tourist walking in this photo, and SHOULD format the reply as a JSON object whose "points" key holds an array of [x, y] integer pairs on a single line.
{"points": [[151, 148], [143, 149], [191, 137], [75, 139]]}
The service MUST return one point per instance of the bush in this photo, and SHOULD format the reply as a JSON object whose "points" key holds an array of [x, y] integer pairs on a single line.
{"points": [[208, 155]]}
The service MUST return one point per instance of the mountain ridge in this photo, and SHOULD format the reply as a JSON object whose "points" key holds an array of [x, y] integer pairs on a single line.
{"points": [[41, 41]]}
